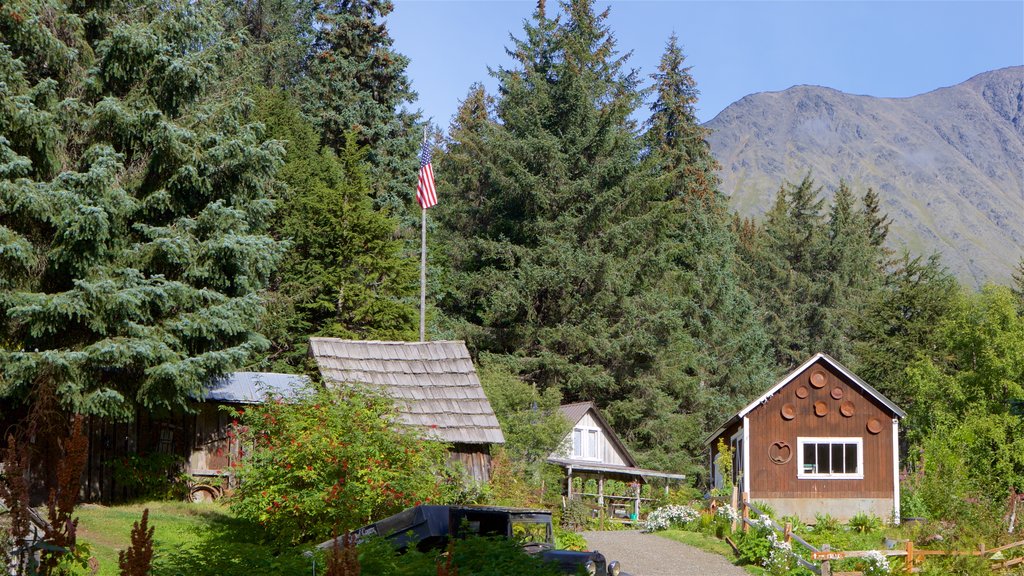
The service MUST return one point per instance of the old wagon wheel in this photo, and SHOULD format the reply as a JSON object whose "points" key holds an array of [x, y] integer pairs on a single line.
{"points": [[204, 493]]}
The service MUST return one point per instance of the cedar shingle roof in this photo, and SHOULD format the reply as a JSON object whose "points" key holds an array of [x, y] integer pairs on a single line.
{"points": [[434, 384]]}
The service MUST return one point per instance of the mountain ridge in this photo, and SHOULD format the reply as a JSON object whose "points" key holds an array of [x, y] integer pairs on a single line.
{"points": [[948, 163]]}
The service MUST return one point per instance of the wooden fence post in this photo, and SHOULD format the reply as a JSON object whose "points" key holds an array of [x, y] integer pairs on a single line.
{"points": [[787, 535], [909, 564], [746, 512], [826, 565], [735, 505]]}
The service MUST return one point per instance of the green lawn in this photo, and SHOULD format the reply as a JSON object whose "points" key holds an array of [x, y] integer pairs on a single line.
{"points": [[189, 540]]}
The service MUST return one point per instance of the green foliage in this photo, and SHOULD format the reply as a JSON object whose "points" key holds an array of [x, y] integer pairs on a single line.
{"points": [[530, 420], [344, 274], [189, 538], [723, 461], [133, 205], [355, 92], [331, 461], [865, 523], [575, 515], [569, 540], [473, 556], [754, 546], [826, 524], [813, 273], [152, 476]]}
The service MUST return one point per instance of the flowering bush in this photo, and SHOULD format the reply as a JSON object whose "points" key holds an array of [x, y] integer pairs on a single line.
{"points": [[877, 564], [331, 461], [668, 516], [728, 512]]}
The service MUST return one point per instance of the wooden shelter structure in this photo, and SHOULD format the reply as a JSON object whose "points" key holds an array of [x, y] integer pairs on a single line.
{"points": [[821, 440], [434, 385], [197, 439], [592, 451]]}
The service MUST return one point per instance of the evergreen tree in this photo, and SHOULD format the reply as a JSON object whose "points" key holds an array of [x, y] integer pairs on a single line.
{"points": [[343, 275], [674, 136], [721, 338], [277, 36], [357, 89], [900, 323], [556, 261], [1018, 285], [133, 205]]}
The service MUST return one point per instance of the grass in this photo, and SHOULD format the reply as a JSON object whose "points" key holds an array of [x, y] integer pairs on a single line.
{"points": [[189, 539], [708, 544]]}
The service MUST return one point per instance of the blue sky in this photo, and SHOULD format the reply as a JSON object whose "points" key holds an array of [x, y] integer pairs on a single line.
{"points": [[874, 47]]}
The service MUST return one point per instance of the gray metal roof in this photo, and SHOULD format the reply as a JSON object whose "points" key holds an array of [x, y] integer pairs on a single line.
{"points": [[589, 466], [253, 387], [434, 384]]}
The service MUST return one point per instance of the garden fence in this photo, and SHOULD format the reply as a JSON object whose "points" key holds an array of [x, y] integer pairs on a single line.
{"points": [[821, 558]]}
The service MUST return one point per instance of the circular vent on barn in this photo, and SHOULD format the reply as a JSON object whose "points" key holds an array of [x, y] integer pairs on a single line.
{"points": [[819, 378]]}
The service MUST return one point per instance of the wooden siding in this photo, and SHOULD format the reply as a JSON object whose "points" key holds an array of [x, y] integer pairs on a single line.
{"points": [[606, 448], [767, 426], [474, 458]]}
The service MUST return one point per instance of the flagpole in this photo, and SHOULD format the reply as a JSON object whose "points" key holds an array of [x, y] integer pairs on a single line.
{"points": [[423, 262], [423, 275]]}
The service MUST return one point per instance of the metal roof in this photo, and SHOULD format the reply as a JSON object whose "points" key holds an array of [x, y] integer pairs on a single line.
{"points": [[792, 375], [434, 384], [588, 466], [253, 387]]}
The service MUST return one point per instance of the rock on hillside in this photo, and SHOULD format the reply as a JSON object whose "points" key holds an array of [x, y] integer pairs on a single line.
{"points": [[949, 164]]}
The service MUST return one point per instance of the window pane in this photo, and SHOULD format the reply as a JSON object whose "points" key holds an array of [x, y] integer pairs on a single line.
{"points": [[837, 458], [824, 459], [577, 442], [851, 458], [592, 444], [810, 459]]}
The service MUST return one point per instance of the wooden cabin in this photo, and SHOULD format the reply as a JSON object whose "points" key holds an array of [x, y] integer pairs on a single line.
{"points": [[820, 441], [592, 450], [434, 385], [197, 438]]}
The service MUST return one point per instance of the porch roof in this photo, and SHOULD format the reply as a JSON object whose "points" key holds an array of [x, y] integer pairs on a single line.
{"points": [[587, 466]]}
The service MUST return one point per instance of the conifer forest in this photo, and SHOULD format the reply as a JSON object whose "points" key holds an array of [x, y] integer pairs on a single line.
{"points": [[189, 189]]}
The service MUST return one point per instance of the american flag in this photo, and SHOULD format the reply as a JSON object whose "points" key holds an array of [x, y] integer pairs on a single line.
{"points": [[426, 195]]}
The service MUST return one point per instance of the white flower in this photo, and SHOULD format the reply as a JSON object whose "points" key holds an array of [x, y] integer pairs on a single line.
{"points": [[667, 516]]}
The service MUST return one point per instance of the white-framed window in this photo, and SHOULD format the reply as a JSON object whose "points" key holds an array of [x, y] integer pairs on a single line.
{"points": [[736, 443], [586, 443], [830, 458]]}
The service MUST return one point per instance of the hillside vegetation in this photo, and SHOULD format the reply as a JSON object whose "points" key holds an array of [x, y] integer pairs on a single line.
{"points": [[948, 165]]}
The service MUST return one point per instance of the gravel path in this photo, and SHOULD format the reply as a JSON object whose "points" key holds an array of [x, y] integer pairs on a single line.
{"points": [[649, 555]]}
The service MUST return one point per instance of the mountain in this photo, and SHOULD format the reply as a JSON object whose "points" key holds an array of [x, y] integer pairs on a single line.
{"points": [[948, 165]]}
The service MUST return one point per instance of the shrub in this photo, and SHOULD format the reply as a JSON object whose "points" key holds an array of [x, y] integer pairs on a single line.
{"points": [[826, 524], [575, 515], [474, 556], [566, 540], [331, 461], [156, 476], [671, 516], [865, 523]]}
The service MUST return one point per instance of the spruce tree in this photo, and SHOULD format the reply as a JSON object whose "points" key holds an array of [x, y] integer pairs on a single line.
{"points": [[343, 274], [721, 338], [133, 206], [557, 262], [357, 88]]}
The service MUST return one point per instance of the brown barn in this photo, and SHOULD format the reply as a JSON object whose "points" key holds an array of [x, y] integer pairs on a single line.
{"points": [[821, 441], [197, 438], [434, 385]]}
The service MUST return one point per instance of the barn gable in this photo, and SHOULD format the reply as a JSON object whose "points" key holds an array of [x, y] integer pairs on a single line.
{"points": [[819, 440]]}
